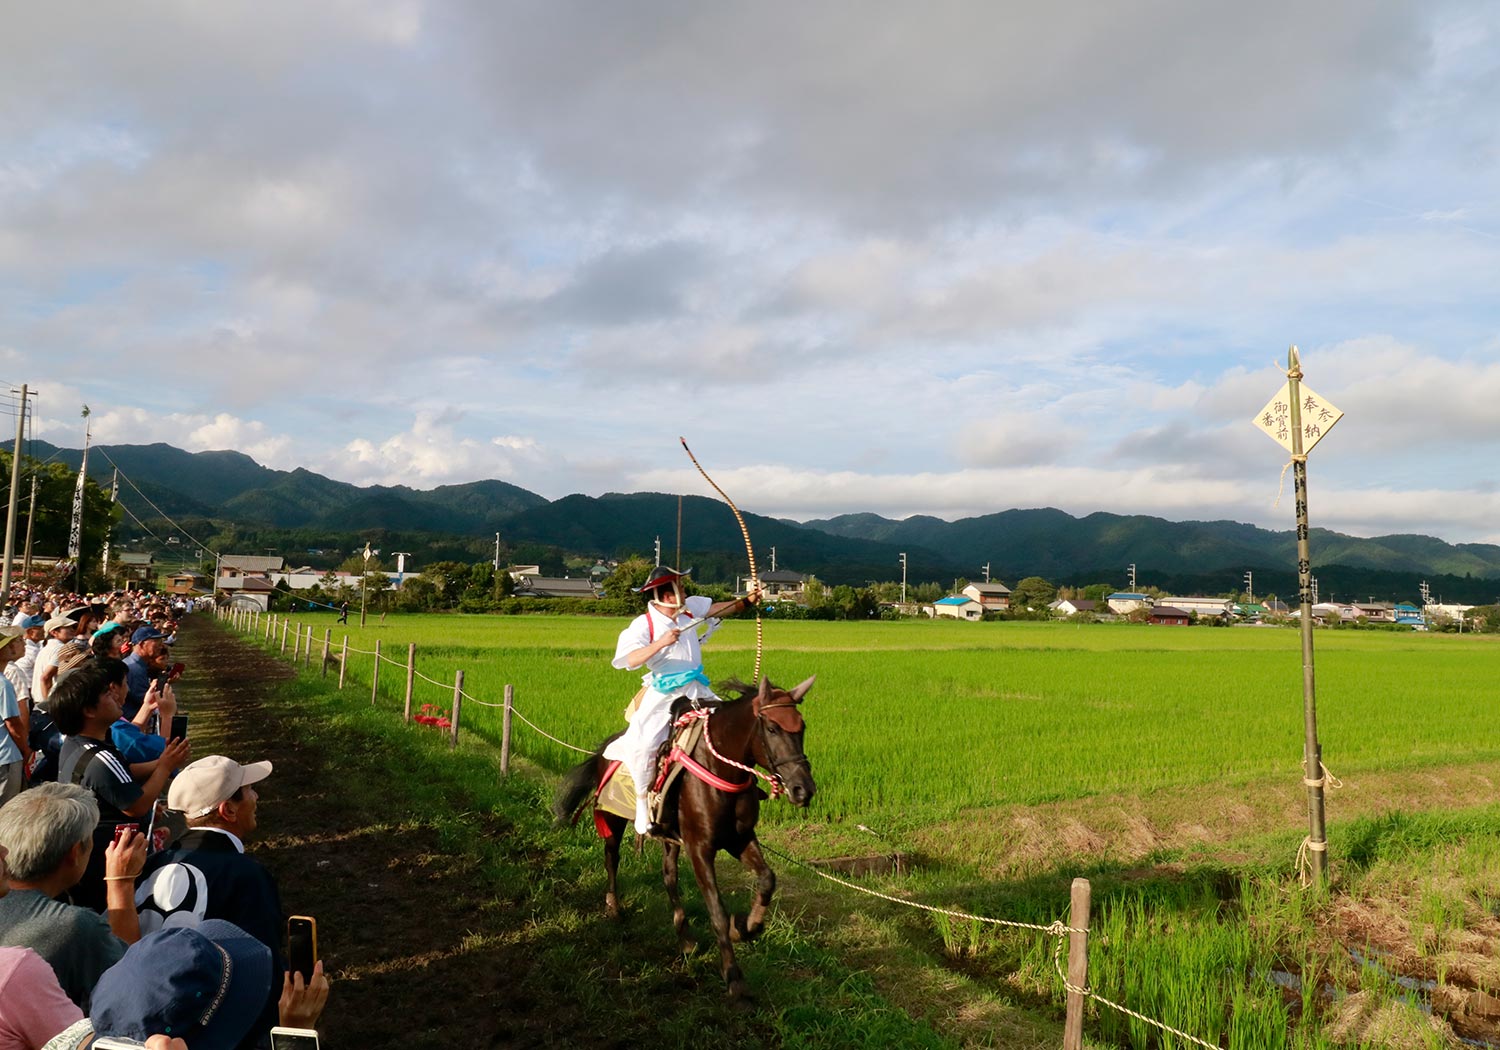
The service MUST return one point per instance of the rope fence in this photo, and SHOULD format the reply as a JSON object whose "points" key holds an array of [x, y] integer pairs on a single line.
{"points": [[1075, 931]]}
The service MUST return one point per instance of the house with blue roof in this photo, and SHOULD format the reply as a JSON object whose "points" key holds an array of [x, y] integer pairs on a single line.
{"points": [[1123, 602], [957, 607]]}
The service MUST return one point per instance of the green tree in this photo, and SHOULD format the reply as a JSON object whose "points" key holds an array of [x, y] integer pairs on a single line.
{"points": [[1032, 593], [628, 575], [814, 594]]}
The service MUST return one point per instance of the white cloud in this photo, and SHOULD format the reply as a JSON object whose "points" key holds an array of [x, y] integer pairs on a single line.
{"points": [[429, 453]]}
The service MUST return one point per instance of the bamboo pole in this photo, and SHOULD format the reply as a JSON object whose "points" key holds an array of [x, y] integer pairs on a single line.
{"points": [[296, 642], [1078, 964], [458, 696], [327, 643], [411, 678], [283, 635], [343, 661], [307, 651]]}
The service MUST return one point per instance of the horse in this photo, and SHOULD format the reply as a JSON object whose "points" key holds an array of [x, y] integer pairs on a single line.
{"points": [[713, 807]]}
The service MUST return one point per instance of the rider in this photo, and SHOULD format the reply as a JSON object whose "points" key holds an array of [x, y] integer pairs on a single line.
{"points": [[674, 666]]}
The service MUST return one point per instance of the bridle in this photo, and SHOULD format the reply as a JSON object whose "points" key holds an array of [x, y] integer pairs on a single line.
{"points": [[774, 780]]}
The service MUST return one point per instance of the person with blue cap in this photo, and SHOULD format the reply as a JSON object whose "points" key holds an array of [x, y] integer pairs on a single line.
{"points": [[146, 664], [203, 985], [665, 642]]}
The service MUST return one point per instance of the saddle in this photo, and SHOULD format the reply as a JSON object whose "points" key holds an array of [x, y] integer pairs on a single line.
{"points": [[617, 788]]}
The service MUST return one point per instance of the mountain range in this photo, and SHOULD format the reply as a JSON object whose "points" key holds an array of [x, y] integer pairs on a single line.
{"points": [[160, 480]]}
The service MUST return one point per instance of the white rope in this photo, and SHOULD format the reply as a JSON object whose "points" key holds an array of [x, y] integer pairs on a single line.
{"points": [[434, 681], [543, 732], [1057, 929]]}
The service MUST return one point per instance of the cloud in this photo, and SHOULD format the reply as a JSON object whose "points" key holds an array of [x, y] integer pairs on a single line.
{"points": [[429, 453]]}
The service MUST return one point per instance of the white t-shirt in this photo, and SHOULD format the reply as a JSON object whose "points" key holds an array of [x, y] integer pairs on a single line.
{"points": [[48, 657]]}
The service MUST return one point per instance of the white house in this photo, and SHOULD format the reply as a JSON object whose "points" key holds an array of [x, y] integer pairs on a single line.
{"points": [[1122, 602]]}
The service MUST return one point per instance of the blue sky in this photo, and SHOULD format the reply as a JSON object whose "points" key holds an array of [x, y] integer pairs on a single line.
{"points": [[948, 258]]}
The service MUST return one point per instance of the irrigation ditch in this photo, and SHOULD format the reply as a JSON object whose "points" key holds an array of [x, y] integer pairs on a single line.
{"points": [[1384, 995]]}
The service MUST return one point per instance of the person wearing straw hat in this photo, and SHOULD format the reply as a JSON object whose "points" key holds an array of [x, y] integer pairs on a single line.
{"points": [[664, 641]]}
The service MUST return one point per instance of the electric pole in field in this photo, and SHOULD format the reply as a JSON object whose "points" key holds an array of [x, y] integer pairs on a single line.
{"points": [[497, 552], [1296, 419], [1250, 585], [986, 572], [364, 584], [773, 559], [1131, 570], [15, 496], [903, 577]]}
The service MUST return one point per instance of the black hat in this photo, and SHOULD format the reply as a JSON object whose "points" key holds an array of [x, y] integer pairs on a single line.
{"points": [[660, 577]]}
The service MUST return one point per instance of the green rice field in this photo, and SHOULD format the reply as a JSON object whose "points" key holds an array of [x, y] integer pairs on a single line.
{"points": [[946, 734], [929, 718]]}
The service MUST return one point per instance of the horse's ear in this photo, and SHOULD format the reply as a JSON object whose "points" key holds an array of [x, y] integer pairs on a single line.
{"points": [[762, 694], [800, 691]]}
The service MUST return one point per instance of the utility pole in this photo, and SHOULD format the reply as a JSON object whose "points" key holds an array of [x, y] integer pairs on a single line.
{"points": [[986, 572], [658, 551], [497, 552], [30, 520], [1250, 585], [401, 557], [903, 577], [15, 498], [364, 587], [1131, 569], [773, 559]]}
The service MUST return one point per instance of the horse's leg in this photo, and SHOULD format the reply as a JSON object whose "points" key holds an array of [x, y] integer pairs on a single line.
{"points": [[702, 857], [670, 853], [747, 928], [612, 864]]}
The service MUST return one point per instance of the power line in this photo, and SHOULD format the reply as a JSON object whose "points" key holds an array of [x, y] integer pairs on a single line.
{"points": [[165, 516]]}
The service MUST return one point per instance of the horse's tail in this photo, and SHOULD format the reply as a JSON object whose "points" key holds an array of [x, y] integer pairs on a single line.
{"points": [[577, 784]]}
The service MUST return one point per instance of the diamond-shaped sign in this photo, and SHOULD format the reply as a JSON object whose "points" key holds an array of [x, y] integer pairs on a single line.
{"points": [[1318, 417]]}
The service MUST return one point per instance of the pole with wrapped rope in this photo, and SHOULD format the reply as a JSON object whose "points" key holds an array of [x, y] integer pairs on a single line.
{"points": [[749, 551]]}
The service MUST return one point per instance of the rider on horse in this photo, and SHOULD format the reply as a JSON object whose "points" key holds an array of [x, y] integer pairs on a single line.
{"points": [[674, 667]]}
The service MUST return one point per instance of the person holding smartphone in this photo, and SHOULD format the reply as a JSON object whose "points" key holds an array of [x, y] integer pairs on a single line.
{"points": [[219, 799]]}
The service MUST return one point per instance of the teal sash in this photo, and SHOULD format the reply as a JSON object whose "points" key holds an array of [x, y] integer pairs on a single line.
{"points": [[667, 684]]}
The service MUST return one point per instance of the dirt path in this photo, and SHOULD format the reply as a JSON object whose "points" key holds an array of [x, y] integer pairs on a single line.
{"points": [[418, 954]]}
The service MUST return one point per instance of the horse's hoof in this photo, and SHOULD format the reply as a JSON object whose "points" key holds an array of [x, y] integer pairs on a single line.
{"points": [[740, 930], [739, 994], [687, 946]]}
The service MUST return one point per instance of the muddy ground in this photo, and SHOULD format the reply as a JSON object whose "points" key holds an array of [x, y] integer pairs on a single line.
{"points": [[418, 953]]}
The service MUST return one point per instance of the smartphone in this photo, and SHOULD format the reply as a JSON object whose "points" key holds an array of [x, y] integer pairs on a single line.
{"points": [[302, 945], [176, 672], [179, 727], [291, 1039], [122, 829]]}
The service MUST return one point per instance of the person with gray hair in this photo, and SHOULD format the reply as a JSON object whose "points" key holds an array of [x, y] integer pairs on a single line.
{"points": [[48, 834]]}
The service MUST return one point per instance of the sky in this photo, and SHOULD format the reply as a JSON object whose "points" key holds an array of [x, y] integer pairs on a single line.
{"points": [[947, 258]]}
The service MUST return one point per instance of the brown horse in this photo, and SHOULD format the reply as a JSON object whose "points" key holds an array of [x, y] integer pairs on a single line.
{"points": [[706, 814]]}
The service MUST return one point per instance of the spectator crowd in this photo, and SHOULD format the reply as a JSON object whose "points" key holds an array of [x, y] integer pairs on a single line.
{"points": [[129, 907]]}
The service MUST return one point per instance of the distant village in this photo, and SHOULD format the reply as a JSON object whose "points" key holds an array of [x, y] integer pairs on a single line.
{"points": [[251, 581]]}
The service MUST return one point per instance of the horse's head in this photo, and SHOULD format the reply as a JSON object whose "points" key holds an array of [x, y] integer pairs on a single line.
{"points": [[777, 744]]}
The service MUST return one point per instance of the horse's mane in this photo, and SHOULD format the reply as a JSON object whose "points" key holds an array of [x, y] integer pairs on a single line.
{"points": [[734, 686]]}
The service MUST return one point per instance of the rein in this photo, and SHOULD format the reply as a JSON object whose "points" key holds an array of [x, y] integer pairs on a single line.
{"points": [[708, 777]]}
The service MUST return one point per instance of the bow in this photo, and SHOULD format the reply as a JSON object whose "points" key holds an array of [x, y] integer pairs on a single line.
{"points": [[749, 549]]}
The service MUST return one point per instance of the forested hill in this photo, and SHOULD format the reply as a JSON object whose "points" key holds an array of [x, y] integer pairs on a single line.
{"points": [[1053, 543], [233, 490], [233, 487]]}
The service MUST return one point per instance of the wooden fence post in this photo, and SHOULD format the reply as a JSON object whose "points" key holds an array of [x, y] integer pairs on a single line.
{"points": [[270, 623], [375, 674], [510, 704], [283, 636], [343, 661], [327, 641], [458, 696], [1078, 964], [411, 677], [296, 642], [307, 653]]}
